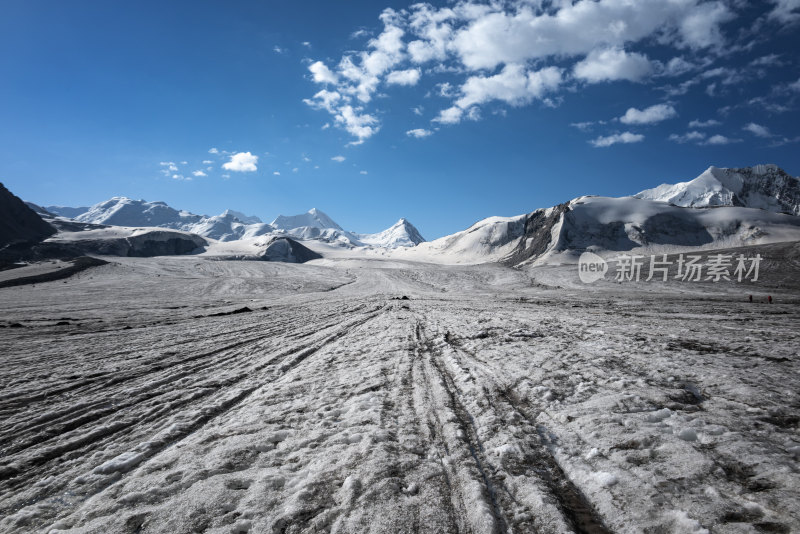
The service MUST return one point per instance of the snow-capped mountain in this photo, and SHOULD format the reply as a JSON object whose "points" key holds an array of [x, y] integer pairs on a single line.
{"points": [[313, 218], [123, 211], [233, 225], [400, 234], [247, 219], [602, 224], [766, 187]]}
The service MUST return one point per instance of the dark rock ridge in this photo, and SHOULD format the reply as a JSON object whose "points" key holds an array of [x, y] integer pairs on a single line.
{"points": [[537, 235], [148, 244], [19, 223], [288, 250], [283, 249]]}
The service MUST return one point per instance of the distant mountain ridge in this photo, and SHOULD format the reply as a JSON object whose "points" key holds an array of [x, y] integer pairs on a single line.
{"points": [[766, 187], [233, 225]]}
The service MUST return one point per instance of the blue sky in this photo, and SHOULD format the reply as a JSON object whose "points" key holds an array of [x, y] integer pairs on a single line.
{"points": [[443, 113]]}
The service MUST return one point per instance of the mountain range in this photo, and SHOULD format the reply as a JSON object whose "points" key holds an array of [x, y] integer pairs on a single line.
{"points": [[721, 207], [766, 187], [232, 225]]}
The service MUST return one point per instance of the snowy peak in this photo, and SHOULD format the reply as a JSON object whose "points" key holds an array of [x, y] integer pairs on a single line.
{"points": [[241, 217], [766, 187], [313, 218], [123, 211], [400, 234]]}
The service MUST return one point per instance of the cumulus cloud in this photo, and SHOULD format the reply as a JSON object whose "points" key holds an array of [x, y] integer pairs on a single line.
{"points": [[704, 124], [721, 140], [515, 52], [403, 77], [338, 159], [693, 136], [213, 151], [199, 173], [757, 130], [241, 162], [419, 133], [651, 115], [624, 137], [514, 85], [611, 65], [363, 172], [321, 73], [355, 122], [207, 162]]}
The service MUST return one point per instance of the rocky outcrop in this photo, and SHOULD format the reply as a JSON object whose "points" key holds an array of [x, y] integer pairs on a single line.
{"points": [[18, 223]]}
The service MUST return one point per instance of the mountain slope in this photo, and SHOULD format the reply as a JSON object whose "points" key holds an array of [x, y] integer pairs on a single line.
{"points": [[603, 224], [765, 187], [123, 211], [400, 234], [18, 222], [66, 211], [313, 218]]}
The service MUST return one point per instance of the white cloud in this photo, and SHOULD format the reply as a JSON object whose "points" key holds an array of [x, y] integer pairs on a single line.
{"points": [[700, 28], [322, 74], [278, 50], [612, 64], [213, 151], [226, 176], [677, 66], [207, 162], [513, 85], [517, 51], [306, 44], [184, 162], [358, 124], [241, 162], [770, 60], [785, 11], [757, 130], [338, 159], [173, 168], [403, 77], [704, 124], [651, 115], [324, 100], [721, 140], [276, 173], [199, 173], [795, 86], [688, 137], [584, 126], [495, 37], [295, 170], [181, 177], [417, 110], [419, 133], [363, 172], [624, 137], [451, 115]]}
